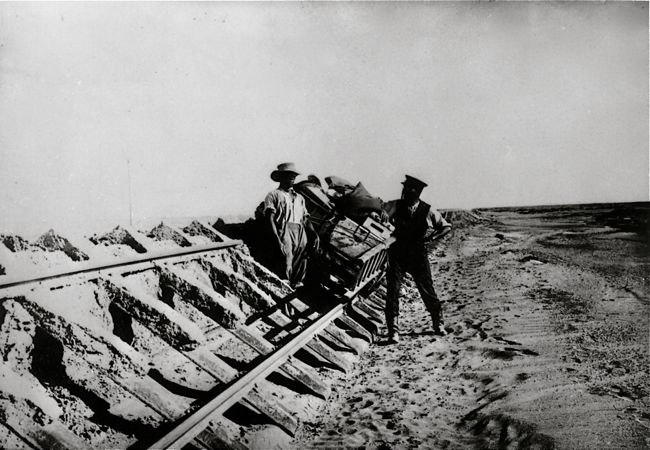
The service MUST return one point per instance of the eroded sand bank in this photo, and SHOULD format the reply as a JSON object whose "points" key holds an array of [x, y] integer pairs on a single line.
{"points": [[548, 346]]}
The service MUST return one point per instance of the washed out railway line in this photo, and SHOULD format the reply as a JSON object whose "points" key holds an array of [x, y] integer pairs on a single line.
{"points": [[192, 427], [175, 348], [119, 266]]}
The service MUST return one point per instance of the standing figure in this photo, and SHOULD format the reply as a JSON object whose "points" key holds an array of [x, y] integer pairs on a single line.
{"points": [[415, 224], [285, 213]]}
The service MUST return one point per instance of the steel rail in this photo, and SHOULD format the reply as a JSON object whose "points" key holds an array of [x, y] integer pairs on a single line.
{"points": [[122, 263], [192, 425]]}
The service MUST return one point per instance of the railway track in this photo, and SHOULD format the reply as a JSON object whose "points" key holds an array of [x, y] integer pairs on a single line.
{"points": [[212, 338], [124, 263], [196, 423]]}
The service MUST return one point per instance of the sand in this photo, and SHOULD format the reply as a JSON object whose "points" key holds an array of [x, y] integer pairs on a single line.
{"points": [[546, 310], [108, 359], [547, 314]]}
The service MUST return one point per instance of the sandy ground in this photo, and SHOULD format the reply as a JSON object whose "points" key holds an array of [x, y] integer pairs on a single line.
{"points": [[106, 360], [547, 313], [546, 309]]}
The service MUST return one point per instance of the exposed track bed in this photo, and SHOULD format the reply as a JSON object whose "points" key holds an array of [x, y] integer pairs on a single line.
{"points": [[177, 344]]}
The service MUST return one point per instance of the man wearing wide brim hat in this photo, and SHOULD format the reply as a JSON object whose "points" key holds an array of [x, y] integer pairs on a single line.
{"points": [[285, 213], [416, 223]]}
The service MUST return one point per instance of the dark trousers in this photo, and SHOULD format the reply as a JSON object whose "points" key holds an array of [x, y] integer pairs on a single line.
{"points": [[416, 264]]}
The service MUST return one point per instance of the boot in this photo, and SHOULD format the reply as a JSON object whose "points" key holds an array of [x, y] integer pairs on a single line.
{"points": [[437, 325], [393, 338], [392, 333]]}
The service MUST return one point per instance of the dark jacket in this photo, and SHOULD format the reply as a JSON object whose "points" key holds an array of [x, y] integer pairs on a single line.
{"points": [[410, 231]]}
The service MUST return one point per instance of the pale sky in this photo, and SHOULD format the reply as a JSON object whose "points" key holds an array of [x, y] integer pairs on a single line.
{"points": [[492, 104]]}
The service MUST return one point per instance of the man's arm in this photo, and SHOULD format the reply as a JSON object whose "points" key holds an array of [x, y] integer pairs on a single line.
{"points": [[438, 234], [440, 226], [388, 210], [270, 221], [312, 234], [270, 206]]}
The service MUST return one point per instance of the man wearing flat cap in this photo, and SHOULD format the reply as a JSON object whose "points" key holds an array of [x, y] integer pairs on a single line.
{"points": [[285, 213], [416, 223]]}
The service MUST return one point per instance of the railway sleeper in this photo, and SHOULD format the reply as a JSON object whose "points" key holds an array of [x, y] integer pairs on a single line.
{"points": [[299, 309], [31, 435], [215, 436], [151, 394], [375, 301], [266, 404], [345, 339], [297, 370], [306, 376], [292, 367], [332, 333], [211, 364], [282, 327], [362, 318], [372, 313], [355, 327], [327, 353]]}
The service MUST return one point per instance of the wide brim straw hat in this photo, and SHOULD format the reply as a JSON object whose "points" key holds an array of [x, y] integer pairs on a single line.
{"points": [[283, 169]]}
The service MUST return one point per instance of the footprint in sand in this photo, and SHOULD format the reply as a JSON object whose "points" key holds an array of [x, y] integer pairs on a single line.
{"points": [[526, 351], [521, 377], [505, 354]]}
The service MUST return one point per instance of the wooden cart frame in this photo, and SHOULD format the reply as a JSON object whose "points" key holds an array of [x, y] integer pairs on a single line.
{"points": [[364, 270]]}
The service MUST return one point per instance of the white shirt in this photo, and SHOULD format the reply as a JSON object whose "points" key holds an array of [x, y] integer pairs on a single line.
{"points": [[287, 207]]}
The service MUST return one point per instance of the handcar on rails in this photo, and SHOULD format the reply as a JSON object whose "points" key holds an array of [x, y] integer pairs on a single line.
{"points": [[353, 253]]}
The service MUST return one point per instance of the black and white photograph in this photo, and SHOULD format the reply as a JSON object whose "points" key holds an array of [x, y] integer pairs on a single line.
{"points": [[270, 225]]}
